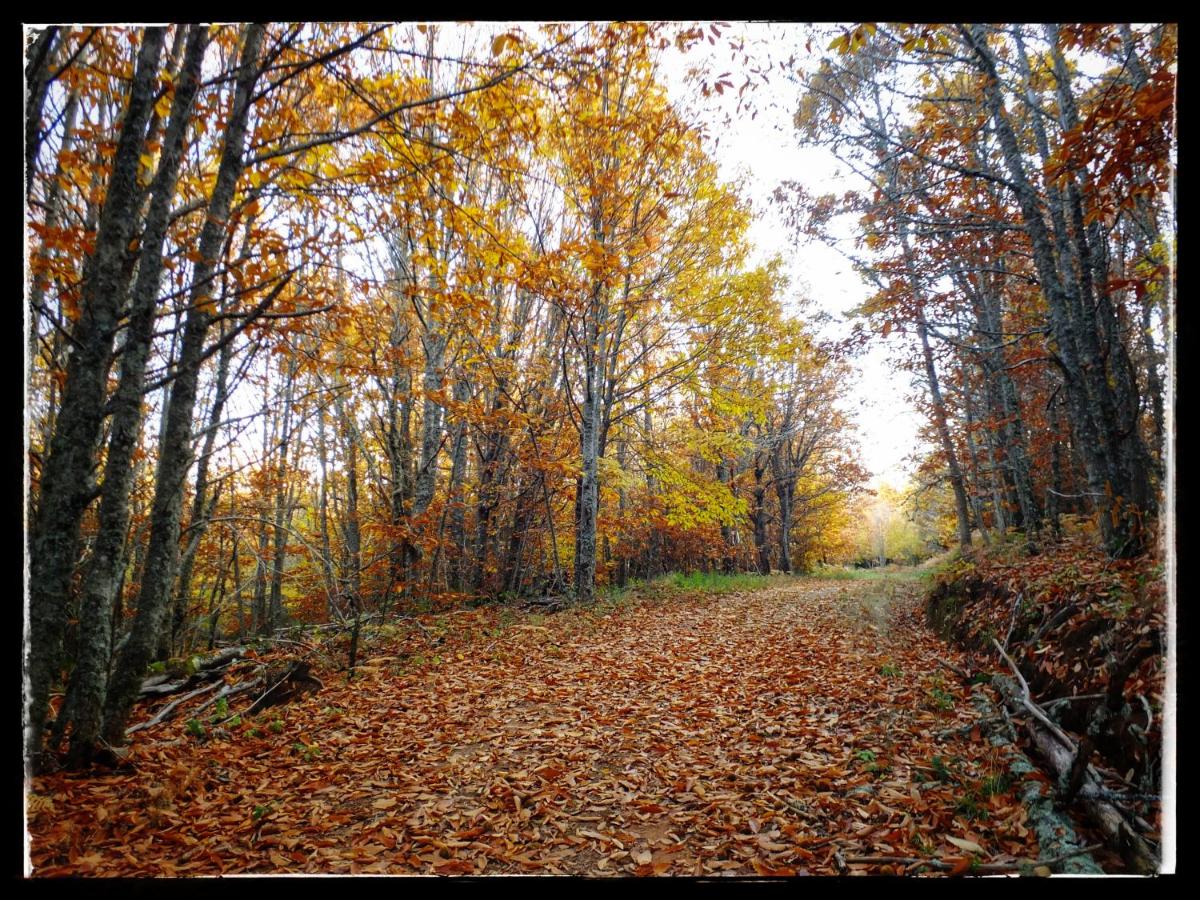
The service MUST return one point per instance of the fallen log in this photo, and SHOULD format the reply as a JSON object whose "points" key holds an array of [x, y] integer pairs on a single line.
{"points": [[206, 669], [1058, 750]]}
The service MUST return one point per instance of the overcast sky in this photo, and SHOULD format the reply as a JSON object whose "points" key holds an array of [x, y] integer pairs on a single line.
{"points": [[764, 151]]}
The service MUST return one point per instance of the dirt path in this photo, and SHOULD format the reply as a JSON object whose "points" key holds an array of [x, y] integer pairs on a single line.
{"points": [[752, 733]]}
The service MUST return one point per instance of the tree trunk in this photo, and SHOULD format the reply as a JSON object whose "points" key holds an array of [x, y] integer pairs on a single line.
{"points": [[163, 551], [454, 493], [943, 430], [759, 516], [39, 56], [106, 572], [589, 444], [66, 489], [1072, 321], [282, 505]]}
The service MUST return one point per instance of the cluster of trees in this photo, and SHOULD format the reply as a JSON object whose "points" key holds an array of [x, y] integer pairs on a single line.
{"points": [[334, 319], [1017, 223], [904, 525]]}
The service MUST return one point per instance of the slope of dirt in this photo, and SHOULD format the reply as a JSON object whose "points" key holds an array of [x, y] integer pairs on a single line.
{"points": [[782, 731]]}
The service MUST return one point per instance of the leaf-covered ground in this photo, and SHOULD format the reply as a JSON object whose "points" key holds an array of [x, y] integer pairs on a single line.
{"points": [[767, 732]]}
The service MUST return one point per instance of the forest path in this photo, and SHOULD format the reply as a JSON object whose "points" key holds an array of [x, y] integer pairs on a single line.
{"points": [[756, 732]]}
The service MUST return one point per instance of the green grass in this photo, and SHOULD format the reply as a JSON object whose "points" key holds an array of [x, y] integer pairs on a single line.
{"points": [[845, 573], [611, 597], [719, 583]]}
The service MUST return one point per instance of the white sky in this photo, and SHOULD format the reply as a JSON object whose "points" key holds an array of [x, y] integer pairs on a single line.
{"points": [[765, 151]]}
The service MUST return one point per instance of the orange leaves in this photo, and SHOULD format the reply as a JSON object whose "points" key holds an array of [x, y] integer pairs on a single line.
{"points": [[721, 741]]}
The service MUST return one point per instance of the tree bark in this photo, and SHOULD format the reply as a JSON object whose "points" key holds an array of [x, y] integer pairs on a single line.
{"points": [[39, 56], [67, 474], [1072, 321], [86, 689], [163, 551]]}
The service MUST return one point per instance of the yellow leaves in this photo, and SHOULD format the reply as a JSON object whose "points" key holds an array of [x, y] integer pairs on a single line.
{"points": [[145, 169], [595, 260], [38, 803], [963, 844], [163, 107], [853, 40], [502, 40]]}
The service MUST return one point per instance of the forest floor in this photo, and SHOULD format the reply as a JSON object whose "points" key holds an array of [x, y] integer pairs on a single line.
{"points": [[785, 730]]}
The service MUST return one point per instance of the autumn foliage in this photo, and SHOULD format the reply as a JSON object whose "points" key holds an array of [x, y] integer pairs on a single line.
{"points": [[419, 316]]}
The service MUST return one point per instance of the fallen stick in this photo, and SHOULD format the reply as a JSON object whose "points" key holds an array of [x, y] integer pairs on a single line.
{"points": [[428, 634], [1038, 713], [1059, 752], [968, 728], [295, 672], [229, 690], [277, 640], [221, 659], [1059, 616], [166, 712], [955, 669], [1014, 866], [1012, 621], [206, 669], [241, 688], [795, 807], [1033, 709]]}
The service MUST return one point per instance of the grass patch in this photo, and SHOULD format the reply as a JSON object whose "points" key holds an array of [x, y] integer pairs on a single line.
{"points": [[611, 597], [719, 583], [846, 573]]}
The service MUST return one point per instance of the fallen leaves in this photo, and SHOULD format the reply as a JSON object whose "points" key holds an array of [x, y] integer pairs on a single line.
{"points": [[749, 734]]}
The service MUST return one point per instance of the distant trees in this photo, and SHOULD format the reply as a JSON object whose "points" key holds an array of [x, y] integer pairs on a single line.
{"points": [[1016, 223]]}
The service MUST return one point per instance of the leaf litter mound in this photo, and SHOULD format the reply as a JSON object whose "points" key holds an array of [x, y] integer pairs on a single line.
{"points": [[784, 731]]}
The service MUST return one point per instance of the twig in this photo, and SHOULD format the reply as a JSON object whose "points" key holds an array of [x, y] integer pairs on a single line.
{"points": [[228, 691], [254, 707], [274, 640], [1059, 616], [1037, 712], [165, 713], [241, 688], [941, 864], [953, 668], [966, 729], [1075, 698], [1149, 714], [1012, 620], [429, 634], [1027, 702], [795, 807]]}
